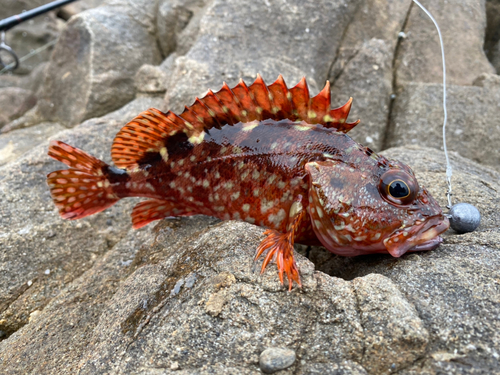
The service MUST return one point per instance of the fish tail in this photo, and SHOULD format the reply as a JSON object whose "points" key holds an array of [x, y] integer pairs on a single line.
{"points": [[84, 188]]}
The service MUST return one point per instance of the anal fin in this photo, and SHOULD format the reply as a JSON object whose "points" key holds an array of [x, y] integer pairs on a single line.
{"points": [[156, 209]]}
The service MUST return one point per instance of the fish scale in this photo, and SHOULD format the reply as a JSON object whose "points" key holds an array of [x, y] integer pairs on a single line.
{"points": [[268, 155]]}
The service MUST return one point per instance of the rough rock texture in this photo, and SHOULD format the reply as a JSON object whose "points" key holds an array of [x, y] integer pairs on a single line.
{"points": [[14, 102], [472, 129], [231, 29], [184, 296], [419, 58], [99, 53], [363, 68], [18, 142]]}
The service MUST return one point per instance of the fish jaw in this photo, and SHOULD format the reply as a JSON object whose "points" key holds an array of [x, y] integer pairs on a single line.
{"points": [[419, 237]]}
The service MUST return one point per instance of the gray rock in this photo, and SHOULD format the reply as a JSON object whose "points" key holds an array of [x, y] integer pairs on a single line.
{"points": [[363, 67], [150, 79], [229, 30], [462, 25], [69, 10], [367, 77], [16, 143], [417, 118], [178, 24], [492, 37], [100, 60], [403, 338], [275, 359], [14, 102]]}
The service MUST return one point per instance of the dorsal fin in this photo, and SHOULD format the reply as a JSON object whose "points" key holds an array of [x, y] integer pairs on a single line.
{"points": [[148, 132]]}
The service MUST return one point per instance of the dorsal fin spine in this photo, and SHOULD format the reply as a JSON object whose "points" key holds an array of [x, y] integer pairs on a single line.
{"points": [[149, 131]]}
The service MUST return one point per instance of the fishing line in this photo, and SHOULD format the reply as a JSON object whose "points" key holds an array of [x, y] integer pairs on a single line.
{"points": [[464, 217], [29, 55]]}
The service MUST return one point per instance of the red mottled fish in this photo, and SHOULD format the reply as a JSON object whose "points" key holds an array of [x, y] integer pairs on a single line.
{"points": [[268, 155]]}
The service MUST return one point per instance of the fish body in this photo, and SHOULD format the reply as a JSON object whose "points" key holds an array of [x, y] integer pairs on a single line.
{"points": [[268, 155]]}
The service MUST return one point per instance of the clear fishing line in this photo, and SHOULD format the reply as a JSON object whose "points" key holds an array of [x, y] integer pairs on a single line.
{"points": [[464, 217]]}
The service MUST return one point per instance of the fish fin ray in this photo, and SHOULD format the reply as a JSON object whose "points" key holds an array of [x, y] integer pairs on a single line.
{"points": [[81, 190], [149, 131], [156, 209]]}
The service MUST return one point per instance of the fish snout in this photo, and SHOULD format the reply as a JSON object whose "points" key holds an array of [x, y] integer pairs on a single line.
{"points": [[419, 237]]}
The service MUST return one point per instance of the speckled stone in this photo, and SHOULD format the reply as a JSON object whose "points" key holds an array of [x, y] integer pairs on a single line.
{"points": [[275, 359]]}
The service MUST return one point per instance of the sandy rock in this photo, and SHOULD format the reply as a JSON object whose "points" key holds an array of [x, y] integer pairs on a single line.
{"points": [[462, 25], [16, 143], [367, 78], [417, 118], [229, 30], [14, 102], [150, 79], [100, 61], [363, 67], [68, 11]]}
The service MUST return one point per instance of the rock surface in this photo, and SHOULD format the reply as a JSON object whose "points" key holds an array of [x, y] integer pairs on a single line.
{"points": [[184, 296], [14, 102], [101, 61], [471, 128]]}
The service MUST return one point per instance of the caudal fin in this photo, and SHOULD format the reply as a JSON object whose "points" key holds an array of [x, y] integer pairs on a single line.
{"points": [[83, 189]]}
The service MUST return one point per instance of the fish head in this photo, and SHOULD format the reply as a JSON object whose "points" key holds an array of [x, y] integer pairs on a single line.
{"points": [[356, 210]]}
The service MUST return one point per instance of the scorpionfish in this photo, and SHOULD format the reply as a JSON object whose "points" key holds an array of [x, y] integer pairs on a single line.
{"points": [[268, 155]]}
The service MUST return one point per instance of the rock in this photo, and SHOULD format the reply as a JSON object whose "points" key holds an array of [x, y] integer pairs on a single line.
{"points": [[150, 79], [492, 37], [100, 61], [275, 359], [17, 142], [229, 30], [31, 82], [417, 118], [363, 67], [178, 24], [367, 77], [462, 25], [69, 10], [14, 102], [404, 338]]}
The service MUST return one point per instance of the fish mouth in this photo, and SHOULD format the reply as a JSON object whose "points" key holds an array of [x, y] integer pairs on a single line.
{"points": [[419, 237]]}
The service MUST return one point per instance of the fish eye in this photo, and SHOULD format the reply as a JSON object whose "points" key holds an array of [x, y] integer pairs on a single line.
{"points": [[398, 187]]}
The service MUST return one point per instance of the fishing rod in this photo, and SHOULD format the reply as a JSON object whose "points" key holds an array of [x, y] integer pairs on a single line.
{"points": [[12, 21]]}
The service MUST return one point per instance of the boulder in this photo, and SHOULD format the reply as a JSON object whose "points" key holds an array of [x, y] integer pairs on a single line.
{"points": [[301, 41], [99, 52], [16, 143], [363, 67], [471, 130], [462, 25], [14, 102]]}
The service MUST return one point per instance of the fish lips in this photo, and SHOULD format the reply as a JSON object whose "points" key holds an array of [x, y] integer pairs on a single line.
{"points": [[419, 237]]}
